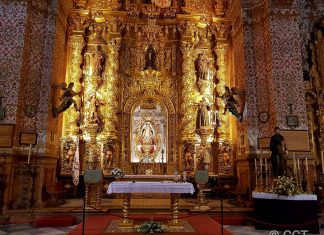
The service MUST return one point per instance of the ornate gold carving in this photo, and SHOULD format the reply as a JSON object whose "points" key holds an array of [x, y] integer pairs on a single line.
{"points": [[189, 93], [71, 116], [223, 130], [110, 91]]}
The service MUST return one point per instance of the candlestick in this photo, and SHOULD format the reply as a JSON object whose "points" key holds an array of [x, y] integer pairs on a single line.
{"points": [[256, 174], [294, 162], [299, 176], [322, 162], [30, 147], [307, 178], [261, 181], [184, 175], [266, 173]]}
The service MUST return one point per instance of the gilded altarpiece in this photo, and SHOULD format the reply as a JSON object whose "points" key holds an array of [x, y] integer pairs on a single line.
{"points": [[141, 74]]}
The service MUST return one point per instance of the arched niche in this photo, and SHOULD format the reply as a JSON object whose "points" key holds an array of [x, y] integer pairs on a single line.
{"points": [[149, 132], [135, 118]]}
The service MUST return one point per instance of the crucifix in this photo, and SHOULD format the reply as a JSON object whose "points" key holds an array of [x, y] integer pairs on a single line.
{"points": [[290, 108], [162, 152]]}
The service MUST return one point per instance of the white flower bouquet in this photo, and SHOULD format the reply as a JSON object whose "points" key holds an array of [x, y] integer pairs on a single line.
{"points": [[151, 227], [286, 186], [117, 172]]}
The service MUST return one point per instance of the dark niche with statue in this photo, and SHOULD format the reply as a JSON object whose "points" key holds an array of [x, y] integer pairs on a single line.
{"points": [[150, 58]]}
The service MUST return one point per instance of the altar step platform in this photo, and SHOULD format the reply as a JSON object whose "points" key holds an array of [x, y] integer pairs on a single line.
{"points": [[194, 225]]}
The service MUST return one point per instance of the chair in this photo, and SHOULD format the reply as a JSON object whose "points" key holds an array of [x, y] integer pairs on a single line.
{"points": [[56, 191]]}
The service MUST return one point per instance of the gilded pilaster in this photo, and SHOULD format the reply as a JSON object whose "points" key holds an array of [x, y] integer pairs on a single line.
{"points": [[188, 106], [111, 91], [224, 122], [70, 117]]}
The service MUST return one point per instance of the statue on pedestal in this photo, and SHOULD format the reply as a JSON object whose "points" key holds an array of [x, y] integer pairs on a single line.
{"points": [[203, 118]]}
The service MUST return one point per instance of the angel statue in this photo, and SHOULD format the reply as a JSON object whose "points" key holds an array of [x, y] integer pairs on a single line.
{"points": [[66, 98], [232, 103]]}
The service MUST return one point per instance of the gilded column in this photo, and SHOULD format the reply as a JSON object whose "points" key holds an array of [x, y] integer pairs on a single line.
{"points": [[224, 122], [188, 106], [111, 91], [70, 117]]}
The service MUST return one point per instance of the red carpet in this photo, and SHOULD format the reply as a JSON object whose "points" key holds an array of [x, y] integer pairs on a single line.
{"points": [[55, 221], [203, 224], [231, 220]]}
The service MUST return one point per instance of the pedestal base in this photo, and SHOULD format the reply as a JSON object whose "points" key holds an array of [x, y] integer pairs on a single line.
{"points": [[175, 224], [200, 208], [126, 223]]}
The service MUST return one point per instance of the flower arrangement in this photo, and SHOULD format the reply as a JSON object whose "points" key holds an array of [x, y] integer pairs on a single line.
{"points": [[117, 172], [151, 227], [286, 186]]}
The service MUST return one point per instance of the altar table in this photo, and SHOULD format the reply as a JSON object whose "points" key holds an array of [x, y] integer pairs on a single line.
{"points": [[126, 188], [274, 212]]}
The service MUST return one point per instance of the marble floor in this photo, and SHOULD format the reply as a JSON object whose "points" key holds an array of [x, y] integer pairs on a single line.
{"points": [[18, 225], [27, 229]]}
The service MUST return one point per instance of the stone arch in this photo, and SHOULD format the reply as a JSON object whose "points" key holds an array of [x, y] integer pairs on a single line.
{"points": [[133, 100]]}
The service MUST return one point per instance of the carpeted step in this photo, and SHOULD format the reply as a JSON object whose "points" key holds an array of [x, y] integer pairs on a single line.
{"points": [[232, 220], [55, 221]]}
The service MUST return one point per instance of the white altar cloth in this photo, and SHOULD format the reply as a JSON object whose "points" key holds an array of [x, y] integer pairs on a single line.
{"points": [[299, 197], [150, 187]]}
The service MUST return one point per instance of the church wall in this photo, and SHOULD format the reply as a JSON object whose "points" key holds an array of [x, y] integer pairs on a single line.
{"points": [[287, 76], [12, 30], [27, 40], [58, 75]]}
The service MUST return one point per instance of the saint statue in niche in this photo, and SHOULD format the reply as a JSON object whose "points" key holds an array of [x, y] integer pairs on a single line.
{"points": [[203, 118], [188, 155], [202, 65], [150, 58], [68, 153], [108, 159], [98, 62]]}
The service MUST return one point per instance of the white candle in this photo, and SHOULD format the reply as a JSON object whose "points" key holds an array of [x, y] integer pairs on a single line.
{"points": [[322, 162], [298, 166], [256, 172], [184, 176], [294, 162], [266, 171], [306, 165], [30, 147]]}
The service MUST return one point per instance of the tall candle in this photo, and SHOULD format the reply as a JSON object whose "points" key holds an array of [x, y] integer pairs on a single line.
{"points": [[322, 163], [261, 181], [298, 166], [184, 176], [256, 172], [30, 147], [294, 162], [266, 171], [306, 165]]}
